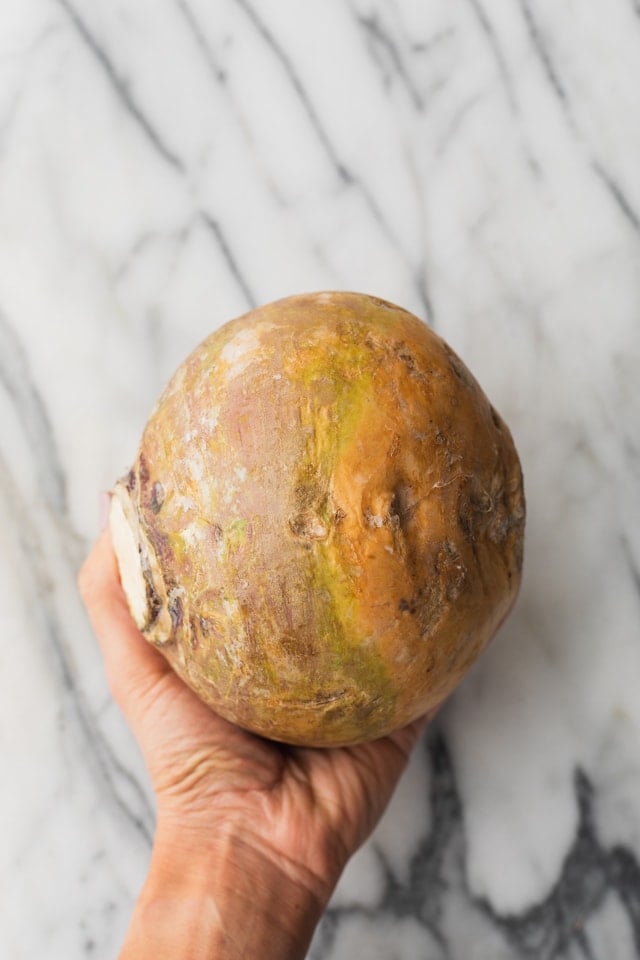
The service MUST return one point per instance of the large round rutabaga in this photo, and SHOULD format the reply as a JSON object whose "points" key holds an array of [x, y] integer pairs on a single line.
{"points": [[323, 527]]}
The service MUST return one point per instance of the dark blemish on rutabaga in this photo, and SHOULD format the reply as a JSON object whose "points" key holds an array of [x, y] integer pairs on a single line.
{"points": [[157, 496]]}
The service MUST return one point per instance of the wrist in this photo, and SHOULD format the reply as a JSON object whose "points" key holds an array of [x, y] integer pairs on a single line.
{"points": [[222, 898]]}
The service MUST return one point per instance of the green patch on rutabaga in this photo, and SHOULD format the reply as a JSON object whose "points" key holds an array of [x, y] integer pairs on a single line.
{"points": [[338, 385], [235, 532]]}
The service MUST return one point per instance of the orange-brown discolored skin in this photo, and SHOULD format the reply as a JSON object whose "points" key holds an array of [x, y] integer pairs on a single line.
{"points": [[330, 517]]}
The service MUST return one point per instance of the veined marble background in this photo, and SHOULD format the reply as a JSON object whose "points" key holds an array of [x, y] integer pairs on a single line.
{"points": [[167, 164]]}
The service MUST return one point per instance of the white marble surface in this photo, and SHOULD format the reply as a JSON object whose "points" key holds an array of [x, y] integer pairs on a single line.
{"points": [[165, 164]]}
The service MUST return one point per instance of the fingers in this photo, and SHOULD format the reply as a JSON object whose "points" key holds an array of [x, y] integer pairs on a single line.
{"points": [[131, 664]]}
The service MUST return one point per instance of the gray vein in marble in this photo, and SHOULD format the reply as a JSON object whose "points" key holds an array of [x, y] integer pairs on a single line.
{"points": [[32, 413], [632, 453], [128, 261], [442, 34], [120, 87], [634, 569], [123, 93], [214, 228], [220, 78], [197, 33], [419, 273], [616, 192], [548, 930], [386, 55], [434, 41], [287, 66], [422, 895], [37, 526], [496, 51], [116, 778], [345, 175], [613, 188], [456, 122], [422, 286], [542, 52], [553, 929], [506, 79]]}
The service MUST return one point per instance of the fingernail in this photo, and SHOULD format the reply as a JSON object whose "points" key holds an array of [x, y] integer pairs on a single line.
{"points": [[105, 503]]}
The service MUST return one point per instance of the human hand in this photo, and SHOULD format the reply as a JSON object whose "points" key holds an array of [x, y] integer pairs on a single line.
{"points": [[251, 835]]}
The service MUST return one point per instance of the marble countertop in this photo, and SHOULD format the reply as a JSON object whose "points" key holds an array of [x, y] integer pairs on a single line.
{"points": [[163, 167]]}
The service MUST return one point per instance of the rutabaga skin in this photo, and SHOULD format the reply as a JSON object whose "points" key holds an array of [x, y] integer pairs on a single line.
{"points": [[324, 524]]}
